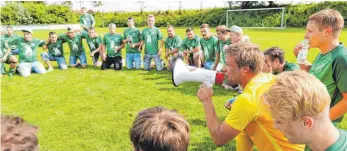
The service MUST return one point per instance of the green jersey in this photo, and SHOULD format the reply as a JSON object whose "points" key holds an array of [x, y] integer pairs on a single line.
{"points": [[56, 49], [339, 145], [288, 67], [75, 43], [27, 49], [209, 47], [7, 38], [331, 69], [3, 48], [113, 41], [87, 20], [135, 36], [172, 43], [93, 43], [221, 44], [151, 36]]}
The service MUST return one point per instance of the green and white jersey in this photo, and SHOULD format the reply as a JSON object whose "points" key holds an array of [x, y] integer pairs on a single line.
{"points": [[288, 67], [87, 20], [93, 43], [189, 44], [172, 43], [151, 36], [7, 38], [75, 43], [331, 69], [27, 49], [112, 41], [339, 145], [221, 44], [3, 48], [56, 49], [210, 48], [135, 35]]}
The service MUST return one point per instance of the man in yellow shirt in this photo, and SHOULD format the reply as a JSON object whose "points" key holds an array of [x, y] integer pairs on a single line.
{"points": [[248, 120]]}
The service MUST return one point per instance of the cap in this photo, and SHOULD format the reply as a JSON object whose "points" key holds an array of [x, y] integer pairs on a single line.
{"points": [[28, 30], [235, 29]]}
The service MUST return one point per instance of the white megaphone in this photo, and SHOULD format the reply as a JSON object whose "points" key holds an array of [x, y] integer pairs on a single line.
{"points": [[185, 73]]}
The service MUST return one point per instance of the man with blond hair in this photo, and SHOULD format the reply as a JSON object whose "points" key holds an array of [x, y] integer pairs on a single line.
{"points": [[159, 129], [299, 104], [330, 66], [246, 120], [150, 38]]}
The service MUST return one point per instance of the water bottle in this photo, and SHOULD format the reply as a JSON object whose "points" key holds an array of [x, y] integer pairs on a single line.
{"points": [[303, 52]]}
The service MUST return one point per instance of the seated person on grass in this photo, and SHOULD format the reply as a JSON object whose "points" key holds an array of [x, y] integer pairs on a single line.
{"points": [[74, 41], [275, 62], [27, 46], [55, 52], [112, 49], [191, 48], [172, 46], [6, 57]]}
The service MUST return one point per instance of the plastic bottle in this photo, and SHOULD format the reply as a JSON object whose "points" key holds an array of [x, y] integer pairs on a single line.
{"points": [[303, 52]]}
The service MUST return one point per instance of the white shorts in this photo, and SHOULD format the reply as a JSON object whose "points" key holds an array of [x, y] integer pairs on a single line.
{"points": [[25, 68]]}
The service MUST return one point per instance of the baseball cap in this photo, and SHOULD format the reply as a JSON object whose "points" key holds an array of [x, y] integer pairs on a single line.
{"points": [[235, 29], [28, 30]]}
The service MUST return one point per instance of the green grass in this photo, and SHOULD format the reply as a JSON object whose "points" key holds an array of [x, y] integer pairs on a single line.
{"points": [[89, 109]]}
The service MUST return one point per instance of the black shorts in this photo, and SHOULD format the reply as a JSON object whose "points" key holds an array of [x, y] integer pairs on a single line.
{"points": [[116, 61]]}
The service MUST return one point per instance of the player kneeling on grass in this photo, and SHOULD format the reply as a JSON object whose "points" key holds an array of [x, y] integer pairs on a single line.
{"points": [[159, 129], [112, 48], [300, 104], [17, 135], [209, 48], [133, 42], [6, 57], [94, 42], [172, 46], [28, 53], [55, 52], [191, 48], [76, 47], [275, 62]]}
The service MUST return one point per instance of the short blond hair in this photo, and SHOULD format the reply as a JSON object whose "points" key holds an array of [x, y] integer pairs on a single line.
{"points": [[246, 54], [296, 94], [150, 16], [160, 129], [328, 18]]}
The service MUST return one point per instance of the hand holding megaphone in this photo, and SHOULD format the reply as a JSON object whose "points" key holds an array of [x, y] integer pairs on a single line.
{"points": [[185, 73]]}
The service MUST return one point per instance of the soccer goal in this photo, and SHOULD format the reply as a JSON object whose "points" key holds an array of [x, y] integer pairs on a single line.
{"points": [[257, 18]]}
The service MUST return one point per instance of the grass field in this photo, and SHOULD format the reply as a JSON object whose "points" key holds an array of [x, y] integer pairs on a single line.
{"points": [[89, 109]]}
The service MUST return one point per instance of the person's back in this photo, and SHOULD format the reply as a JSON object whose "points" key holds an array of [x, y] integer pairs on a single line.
{"points": [[257, 121], [159, 129]]}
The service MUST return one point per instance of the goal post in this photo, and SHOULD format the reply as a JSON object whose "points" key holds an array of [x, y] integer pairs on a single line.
{"points": [[257, 18]]}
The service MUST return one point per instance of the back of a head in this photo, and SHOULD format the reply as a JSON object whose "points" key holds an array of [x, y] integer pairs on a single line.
{"points": [[296, 94], [246, 54], [17, 135], [275, 53], [236, 29], [329, 18], [160, 129]]}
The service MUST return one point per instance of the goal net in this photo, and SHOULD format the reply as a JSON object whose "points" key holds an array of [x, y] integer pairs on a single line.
{"points": [[257, 18]]}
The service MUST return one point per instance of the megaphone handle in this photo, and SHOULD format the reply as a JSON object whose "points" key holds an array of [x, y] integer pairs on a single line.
{"points": [[208, 84]]}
